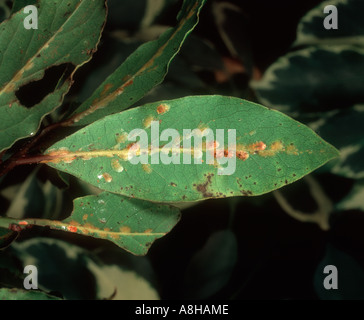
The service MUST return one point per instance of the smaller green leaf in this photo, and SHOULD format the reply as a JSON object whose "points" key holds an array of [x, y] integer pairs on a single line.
{"points": [[132, 224], [21, 294]]}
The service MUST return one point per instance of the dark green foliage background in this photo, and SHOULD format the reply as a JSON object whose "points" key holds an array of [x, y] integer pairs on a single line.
{"points": [[238, 248]]}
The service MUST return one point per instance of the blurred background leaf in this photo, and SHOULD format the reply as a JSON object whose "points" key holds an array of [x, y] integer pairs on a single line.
{"points": [[72, 272], [210, 269]]}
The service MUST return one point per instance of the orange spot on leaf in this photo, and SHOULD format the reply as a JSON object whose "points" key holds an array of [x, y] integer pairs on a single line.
{"points": [[129, 83], [106, 88], [72, 228], [259, 146], [125, 229], [163, 108], [242, 155], [107, 177], [228, 154]]}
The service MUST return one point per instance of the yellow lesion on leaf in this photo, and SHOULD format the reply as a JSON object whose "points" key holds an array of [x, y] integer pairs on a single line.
{"points": [[88, 225], [242, 155], [202, 127], [125, 229], [273, 149], [260, 148], [146, 168], [121, 138], [148, 121], [292, 150], [115, 164]]}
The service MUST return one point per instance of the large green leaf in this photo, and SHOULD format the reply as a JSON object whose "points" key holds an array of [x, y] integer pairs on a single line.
{"points": [[272, 150], [68, 33], [144, 69]]}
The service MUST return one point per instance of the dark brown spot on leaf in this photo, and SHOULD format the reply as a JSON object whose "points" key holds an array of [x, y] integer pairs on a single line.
{"points": [[203, 187]]}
